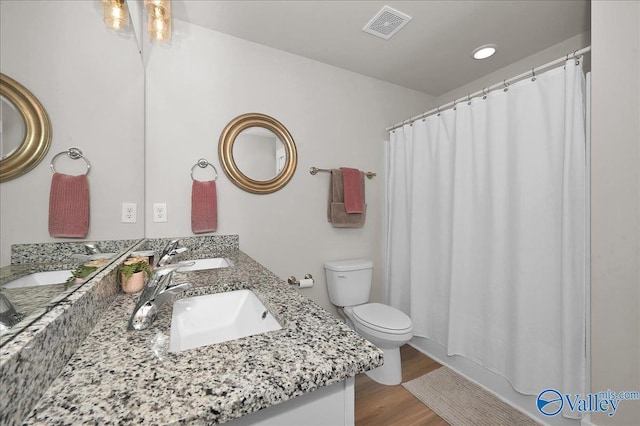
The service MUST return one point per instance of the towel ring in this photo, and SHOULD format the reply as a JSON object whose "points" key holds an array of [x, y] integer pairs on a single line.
{"points": [[74, 154], [202, 163]]}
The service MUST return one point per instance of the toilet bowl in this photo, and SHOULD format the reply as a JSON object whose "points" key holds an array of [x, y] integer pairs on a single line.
{"points": [[349, 283]]}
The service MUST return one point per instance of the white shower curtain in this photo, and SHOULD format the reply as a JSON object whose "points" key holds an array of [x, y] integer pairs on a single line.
{"points": [[485, 230]]}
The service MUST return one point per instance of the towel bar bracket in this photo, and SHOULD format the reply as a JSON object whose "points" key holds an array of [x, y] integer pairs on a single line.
{"points": [[315, 170]]}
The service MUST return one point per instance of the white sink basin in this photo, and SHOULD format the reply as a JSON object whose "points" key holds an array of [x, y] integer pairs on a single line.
{"points": [[39, 278], [202, 264], [214, 318]]}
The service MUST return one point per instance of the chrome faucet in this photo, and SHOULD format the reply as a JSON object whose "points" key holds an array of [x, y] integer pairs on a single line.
{"points": [[8, 315], [170, 250], [159, 290], [92, 248]]}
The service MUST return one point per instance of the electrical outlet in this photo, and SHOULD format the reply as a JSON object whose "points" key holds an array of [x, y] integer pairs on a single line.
{"points": [[129, 212], [159, 212]]}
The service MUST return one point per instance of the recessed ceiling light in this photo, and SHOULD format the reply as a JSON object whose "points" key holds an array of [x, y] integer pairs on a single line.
{"points": [[483, 52]]}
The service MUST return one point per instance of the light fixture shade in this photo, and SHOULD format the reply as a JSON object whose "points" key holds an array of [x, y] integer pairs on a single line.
{"points": [[116, 15], [159, 26], [159, 29]]}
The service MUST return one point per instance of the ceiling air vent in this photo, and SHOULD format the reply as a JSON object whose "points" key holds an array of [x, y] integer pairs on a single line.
{"points": [[386, 23]]}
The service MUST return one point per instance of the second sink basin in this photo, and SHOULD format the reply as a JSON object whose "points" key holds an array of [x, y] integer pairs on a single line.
{"points": [[39, 278], [214, 318], [202, 264]]}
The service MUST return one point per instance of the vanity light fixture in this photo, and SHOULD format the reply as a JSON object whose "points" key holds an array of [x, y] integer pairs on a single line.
{"points": [[116, 15], [483, 52], [159, 27]]}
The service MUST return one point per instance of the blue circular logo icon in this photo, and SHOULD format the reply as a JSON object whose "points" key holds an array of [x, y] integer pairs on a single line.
{"points": [[549, 402]]}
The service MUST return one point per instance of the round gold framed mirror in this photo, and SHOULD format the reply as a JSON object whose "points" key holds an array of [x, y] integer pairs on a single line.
{"points": [[257, 153], [33, 139]]}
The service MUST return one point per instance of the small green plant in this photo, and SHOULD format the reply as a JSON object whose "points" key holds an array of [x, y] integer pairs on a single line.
{"points": [[81, 272], [132, 266]]}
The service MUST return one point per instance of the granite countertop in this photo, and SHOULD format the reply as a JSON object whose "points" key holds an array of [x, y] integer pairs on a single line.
{"points": [[122, 377]]}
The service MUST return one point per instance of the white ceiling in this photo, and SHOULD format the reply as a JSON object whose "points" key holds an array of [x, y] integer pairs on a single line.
{"points": [[432, 54]]}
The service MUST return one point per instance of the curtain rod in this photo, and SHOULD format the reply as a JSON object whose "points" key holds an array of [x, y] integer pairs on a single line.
{"points": [[489, 89]]}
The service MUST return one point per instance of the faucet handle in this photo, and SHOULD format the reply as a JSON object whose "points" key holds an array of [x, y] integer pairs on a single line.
{"points": [[179, 250], [92, 248], [170, 250], [171, 245], [168, 269], [164, 270]]}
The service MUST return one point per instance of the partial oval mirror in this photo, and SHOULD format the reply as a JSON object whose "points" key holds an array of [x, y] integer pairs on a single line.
{"points": [[257, 153], [25, 134], [12, 128]]}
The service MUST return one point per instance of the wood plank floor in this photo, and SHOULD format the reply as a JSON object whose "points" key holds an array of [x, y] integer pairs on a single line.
{"points": [[379, 405]]}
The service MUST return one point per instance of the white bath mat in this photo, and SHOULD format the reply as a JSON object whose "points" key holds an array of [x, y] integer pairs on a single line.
{"points": [[463, 403]]}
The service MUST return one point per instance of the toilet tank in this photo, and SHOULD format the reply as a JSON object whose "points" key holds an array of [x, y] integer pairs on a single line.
{"points": [[349, 281]]}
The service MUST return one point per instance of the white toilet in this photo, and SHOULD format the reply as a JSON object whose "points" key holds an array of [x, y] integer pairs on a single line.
{"points": [[349, 283]]}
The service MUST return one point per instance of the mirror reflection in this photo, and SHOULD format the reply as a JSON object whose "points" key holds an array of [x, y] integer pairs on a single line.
{"points": [[259, 153], [12, 128], [43, 275], [91, 82]]}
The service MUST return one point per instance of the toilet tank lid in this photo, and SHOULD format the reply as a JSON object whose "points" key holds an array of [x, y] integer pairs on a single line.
{"points": [[348, 265]]}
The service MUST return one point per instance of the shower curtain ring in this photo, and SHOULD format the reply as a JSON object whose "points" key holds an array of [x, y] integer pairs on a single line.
{"points": [[576, 57], [469, 99], [506, 86], [484, 93], [438, 109], [533, 74]]}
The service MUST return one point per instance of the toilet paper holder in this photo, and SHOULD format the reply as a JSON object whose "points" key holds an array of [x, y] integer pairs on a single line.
{"points": [[294, 281]]}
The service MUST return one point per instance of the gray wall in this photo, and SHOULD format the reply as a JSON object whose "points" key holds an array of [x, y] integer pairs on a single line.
{"points": [[615, 204], [336, 117]]}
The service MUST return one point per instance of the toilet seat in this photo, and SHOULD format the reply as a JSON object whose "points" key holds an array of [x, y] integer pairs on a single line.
{"points": [[381, 318]]}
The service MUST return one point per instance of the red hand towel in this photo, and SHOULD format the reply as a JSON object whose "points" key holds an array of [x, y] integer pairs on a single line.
{"points": [[353, 199], [204, 207], [69, 206]]}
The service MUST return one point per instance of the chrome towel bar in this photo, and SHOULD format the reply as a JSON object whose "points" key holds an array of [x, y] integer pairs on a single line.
{"points": [[315, 170]]}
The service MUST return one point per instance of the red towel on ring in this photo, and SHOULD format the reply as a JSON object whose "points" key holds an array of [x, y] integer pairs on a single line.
{"points": [[69, 206], [353, 199], [204, 206]]}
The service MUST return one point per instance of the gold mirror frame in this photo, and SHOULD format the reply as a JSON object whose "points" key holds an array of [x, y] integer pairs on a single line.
{"points": [[225, 152], [38, 130]]}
